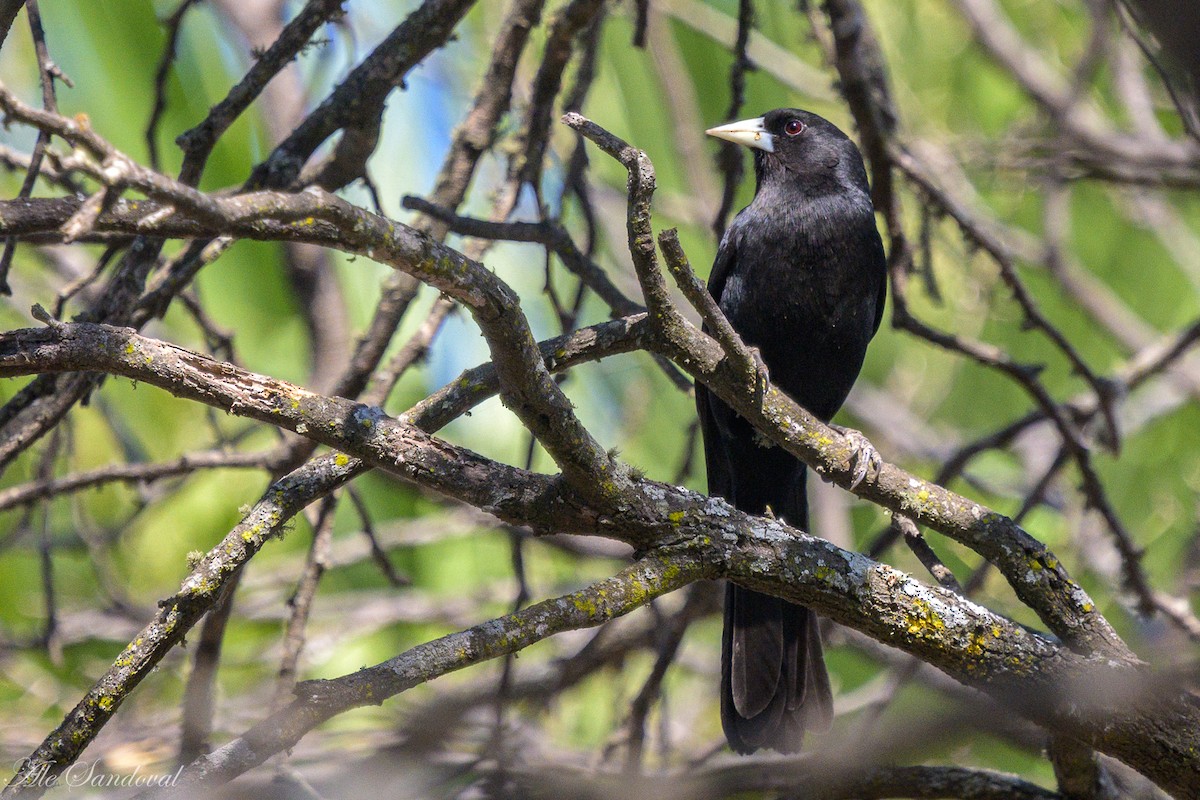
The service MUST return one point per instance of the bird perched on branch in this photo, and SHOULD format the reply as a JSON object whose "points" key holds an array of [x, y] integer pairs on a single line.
{"points": [[801, 275]]}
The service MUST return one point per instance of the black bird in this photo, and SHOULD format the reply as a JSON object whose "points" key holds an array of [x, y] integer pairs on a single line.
{"points": [[802, 276]]}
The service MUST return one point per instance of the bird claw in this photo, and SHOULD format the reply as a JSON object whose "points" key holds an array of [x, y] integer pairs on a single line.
{"points": [[865, 457], [762, 375]]}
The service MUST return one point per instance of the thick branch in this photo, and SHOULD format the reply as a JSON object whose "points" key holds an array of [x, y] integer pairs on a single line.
{"points": [[320, 218], [1151, 731], [317, 701], [323, 219], [175, 617], [306, 484]]}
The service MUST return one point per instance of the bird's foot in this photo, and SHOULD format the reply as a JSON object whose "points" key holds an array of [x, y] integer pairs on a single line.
{"points": [[762, 375], [865, 457]]}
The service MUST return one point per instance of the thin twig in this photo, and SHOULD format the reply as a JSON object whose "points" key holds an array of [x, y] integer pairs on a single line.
{"points": [[47, 72], [173, 25]]}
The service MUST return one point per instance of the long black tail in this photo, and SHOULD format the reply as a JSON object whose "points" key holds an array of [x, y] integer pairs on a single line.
{"points": [[774, 685]]}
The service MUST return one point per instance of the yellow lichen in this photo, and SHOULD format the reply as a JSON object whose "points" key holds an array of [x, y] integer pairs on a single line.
{"points": [[923, 620], [585, 604]]}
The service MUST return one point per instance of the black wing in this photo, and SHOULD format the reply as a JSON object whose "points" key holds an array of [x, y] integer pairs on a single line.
{"points": [[881, 296], [720, 476], [726, 256]]}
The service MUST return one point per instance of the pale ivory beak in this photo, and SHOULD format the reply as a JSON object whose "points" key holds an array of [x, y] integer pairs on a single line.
{"points": [[750, 132]]}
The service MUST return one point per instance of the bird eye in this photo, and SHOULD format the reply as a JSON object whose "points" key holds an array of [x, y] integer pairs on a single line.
{"points": [[793, 127]]}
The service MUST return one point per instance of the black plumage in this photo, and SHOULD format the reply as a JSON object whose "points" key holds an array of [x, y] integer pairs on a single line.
{"points": [[801, 275]]}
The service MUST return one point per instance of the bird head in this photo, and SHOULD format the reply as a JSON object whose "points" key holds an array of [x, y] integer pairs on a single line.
{"points": [[798, 148]]}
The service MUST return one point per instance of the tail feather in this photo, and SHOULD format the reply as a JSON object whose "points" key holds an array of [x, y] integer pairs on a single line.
{"points": [[818, 695], [774, 684]]}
